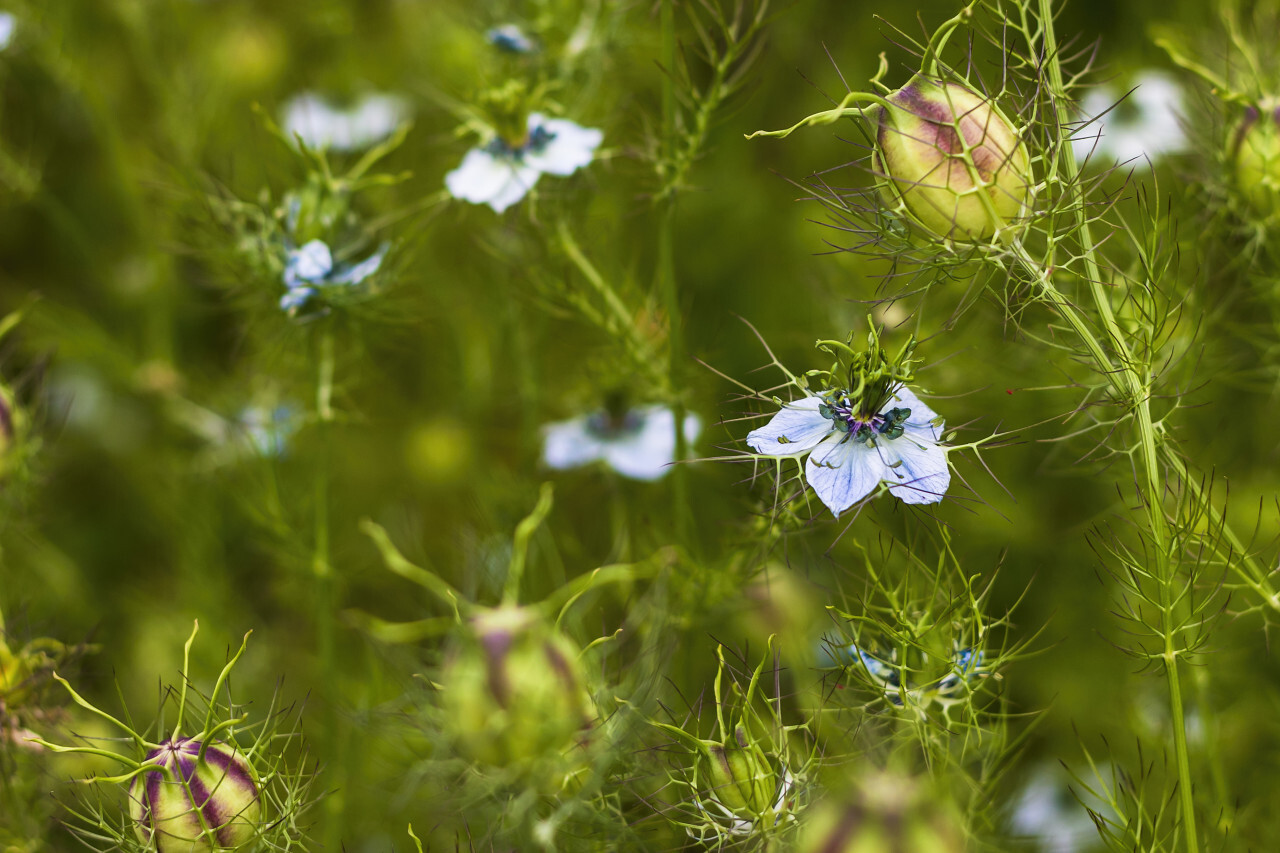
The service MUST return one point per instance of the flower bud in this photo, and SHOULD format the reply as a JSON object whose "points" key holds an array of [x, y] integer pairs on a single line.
{"points": [[940, 148], [1257, 159], [197, 802], [513, 690], [740, 777]]}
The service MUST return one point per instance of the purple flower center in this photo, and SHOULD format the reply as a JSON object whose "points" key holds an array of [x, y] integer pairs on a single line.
{"points": [[537, 140], [839, 408]]}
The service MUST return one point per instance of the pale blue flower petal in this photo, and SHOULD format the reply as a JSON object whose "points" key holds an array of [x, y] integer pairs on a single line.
{"points": [[570, 444], [296, 297], [7, 24], [484, 178], [356, 273], [842, 471], [309, 264], [795, 429], [647, 452], [320, 125], [916, 466], [570, 148]]}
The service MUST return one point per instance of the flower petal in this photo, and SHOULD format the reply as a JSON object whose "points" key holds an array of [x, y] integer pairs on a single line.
{"points": [[570, 444], [356, 273], [485, 179], [842, 471], [917, 466], [647, 453], [570, 148], [795, 429], [295, 297], [309, 264]]}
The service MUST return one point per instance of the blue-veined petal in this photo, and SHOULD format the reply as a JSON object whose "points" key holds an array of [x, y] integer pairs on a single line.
{"points": [[917, 466], [842, 471], [795, 429]]}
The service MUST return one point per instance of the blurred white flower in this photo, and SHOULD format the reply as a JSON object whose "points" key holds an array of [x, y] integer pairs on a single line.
{"points": [[312, 266], [320, 125], [1046, 811], [266, 431], [1143, 122], [851, 453], [499, 175], [641, 444], [7, 24]]}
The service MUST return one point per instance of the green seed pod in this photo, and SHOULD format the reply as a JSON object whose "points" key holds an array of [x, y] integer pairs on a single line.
{"points": [[513, 690], [197, 803], [740, 777], [941, 148], [884, 812], [1257, 159]]}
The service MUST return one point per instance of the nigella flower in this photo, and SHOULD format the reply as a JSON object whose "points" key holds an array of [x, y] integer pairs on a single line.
{"points": [[320, 125], [852, 452], [311, 267], [500, 174], [639, 444], [510, 39], [1143, 124]]}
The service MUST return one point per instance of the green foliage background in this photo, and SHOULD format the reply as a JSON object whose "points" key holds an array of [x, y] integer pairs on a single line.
{"points": [[123, 121]]}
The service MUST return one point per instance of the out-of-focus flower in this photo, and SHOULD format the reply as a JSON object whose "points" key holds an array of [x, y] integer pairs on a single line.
{"points": [[931, 146], [852, 450], [1144, 122], [511, 39], [202, 798], [311, 267], [1046, 811], [500, 173], [321, 125], [8, 23], [640, 444], [267, 431]]}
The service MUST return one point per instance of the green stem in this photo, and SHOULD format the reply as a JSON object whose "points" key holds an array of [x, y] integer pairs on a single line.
{"points": [[1133, 388], [668, 291], [322, 572]]}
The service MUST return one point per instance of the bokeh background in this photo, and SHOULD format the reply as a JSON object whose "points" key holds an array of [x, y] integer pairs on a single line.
{"points": [[123, 124]]}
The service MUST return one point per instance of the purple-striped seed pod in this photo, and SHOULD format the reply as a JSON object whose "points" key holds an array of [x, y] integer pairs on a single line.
{"points": [[1257, 158], [514, 691], [196, 803], [939, 148]]}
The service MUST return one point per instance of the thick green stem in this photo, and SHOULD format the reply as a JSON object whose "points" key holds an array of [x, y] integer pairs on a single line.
{"points": [[1132, 388]]}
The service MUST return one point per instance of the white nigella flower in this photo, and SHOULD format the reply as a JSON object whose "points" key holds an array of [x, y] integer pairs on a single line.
{"points": [[852, 452], [320, 125], [311, 266], [641, 444], [499, 174], [1144, 123]]}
